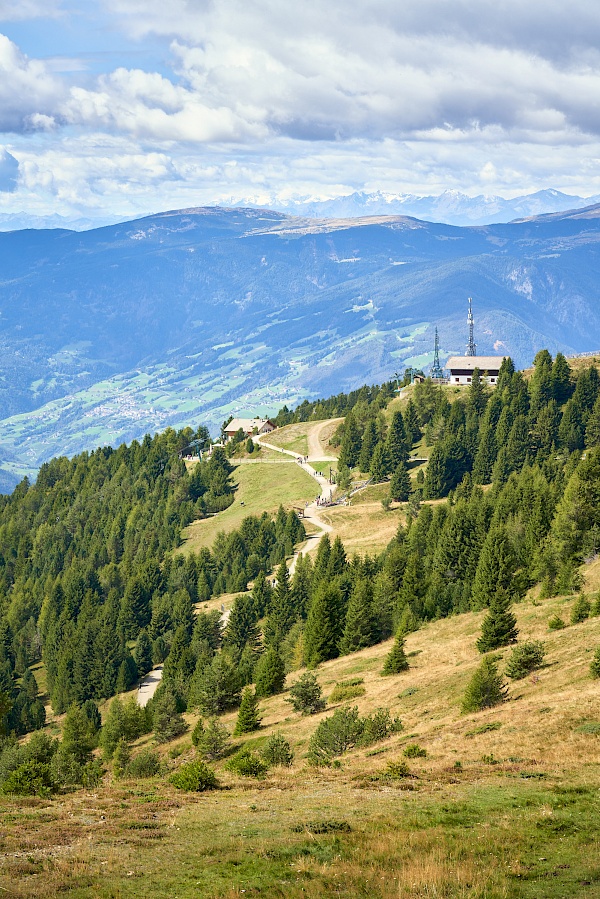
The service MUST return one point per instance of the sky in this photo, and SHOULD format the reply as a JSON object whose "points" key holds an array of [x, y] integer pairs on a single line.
{"points": [[127, 107]]}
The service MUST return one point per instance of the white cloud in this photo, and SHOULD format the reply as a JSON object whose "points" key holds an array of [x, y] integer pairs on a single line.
{"points": [[27, 88], [9, 170]]}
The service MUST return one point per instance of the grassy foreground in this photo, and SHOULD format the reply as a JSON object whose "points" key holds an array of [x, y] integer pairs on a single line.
{"points": [[503, 804]]}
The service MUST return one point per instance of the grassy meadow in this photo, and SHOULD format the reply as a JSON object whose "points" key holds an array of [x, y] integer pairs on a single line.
{"points": [[503, 803]]}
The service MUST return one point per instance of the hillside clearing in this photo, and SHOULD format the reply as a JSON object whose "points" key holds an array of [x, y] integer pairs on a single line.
{"points": [[260, 488]]}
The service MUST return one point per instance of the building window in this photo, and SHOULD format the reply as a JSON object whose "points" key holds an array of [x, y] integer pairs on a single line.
{"points": [[457, 380], [468, 380], [492, 380]]}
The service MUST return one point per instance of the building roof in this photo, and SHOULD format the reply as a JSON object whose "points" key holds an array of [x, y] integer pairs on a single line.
{"points": [[246, 424], [468, 363]]}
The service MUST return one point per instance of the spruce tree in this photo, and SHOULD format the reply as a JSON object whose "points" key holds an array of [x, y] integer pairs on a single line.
{"points": [[167, 721], [306, 695], [562, 385], [397, 441], [380, 463], [143, 653], [269, 676], [351, 442], [499, 627], [485, 689], [496, 567], [248, 718], [322, 627], [411, 423], [595, 664], [400, 484], [359, 630], [281, 614], [396, 660], [368, 444]]}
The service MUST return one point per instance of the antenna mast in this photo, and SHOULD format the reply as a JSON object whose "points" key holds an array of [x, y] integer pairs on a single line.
{"points": [[436, 372], [471, 346]]}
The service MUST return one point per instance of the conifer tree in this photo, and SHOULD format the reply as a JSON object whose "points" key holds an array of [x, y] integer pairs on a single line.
{"points": [[269, 675], [592, 430], [322, 559], [248, 718], [400, 484], [397, 441], [322, 626], [336, 565], [143, 652], [359, 630], [380, 463], [281, 614], [368, 444], [302, 585], [499, 627], [167, 721], [306, 695], [351, 442], [562, 385], [485, 689], [396, 660], [242, 628], [411, 423], [496, 567]]}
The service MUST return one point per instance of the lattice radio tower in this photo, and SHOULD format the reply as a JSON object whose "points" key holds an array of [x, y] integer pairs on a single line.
{"points": [[471, 346], [436, 372]]}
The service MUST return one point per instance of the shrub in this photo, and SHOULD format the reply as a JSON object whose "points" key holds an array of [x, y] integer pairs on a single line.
{"points": [[121, 757], [168, 723], [347, 690], [278, 751], [378, 726], [581, 609], [305, 695], [595, 664], [145, 764], [556, 623], [486, 688], [525, 657], [395, 771], [212, 741], [414, 751], [30, 779], [335, 735], [195, 777], [247, 763], [92, 774]]}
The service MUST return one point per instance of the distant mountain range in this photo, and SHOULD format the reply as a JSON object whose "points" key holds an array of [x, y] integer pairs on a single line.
{"points": [[450, 207], [188, 316]]}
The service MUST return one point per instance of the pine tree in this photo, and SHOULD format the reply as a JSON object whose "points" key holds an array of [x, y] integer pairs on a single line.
{"points": [[400, 484], [269, 676], [281, 612], [248, 718], [485, 689], [359, 630], [306, 695], [562, 385], [595, 664], [167, 721], [396, 660], [499, 627]]}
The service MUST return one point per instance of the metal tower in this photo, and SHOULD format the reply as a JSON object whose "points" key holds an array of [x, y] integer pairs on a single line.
{"points": [[471, 346], [436, 372]]}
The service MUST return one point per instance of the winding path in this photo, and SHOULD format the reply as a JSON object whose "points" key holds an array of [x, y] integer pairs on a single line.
{"points": [[326, 492]]}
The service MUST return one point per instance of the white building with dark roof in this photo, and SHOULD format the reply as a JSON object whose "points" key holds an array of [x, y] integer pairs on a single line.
{"points": [[461, 368], [249, 426]]}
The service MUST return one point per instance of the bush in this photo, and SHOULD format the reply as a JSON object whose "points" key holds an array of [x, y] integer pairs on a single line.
{"points": [[595, 665], [247, 763], [486, 688], [305, 695], [378, 726], [30, 779], [556, 623], [121, 757], [414, 751], [335, 735], [581, 609], [195, 777], [349, 689], [395, 771], [145, 764], [278, 751], [212, 741], [92, 774], [168, 723], [525, 657]]}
